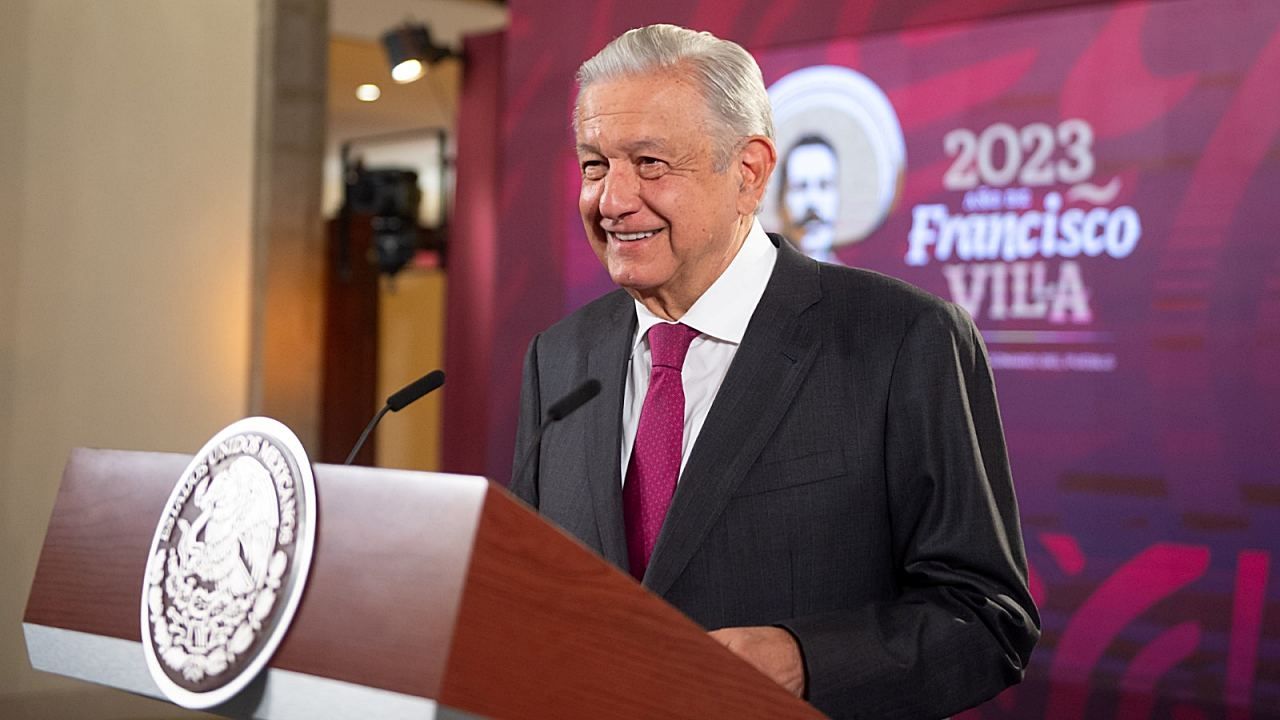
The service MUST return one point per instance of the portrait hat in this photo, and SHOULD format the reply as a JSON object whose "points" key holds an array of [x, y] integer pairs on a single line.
{"points": [[848, 110]]}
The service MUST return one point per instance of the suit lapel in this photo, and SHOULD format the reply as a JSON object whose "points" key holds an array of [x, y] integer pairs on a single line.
{"points": [[776, 353], [607, 362]]}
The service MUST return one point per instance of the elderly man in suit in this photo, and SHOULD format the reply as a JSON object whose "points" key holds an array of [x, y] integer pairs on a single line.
{"points": [[805, 459]]}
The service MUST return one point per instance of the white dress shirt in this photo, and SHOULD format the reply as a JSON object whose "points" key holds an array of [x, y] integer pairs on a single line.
{"points": [[721, 315]]}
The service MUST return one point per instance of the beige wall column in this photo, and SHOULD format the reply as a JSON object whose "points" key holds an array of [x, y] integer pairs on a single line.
{"points": [[141, 240], [13, 53], [288, 230]]}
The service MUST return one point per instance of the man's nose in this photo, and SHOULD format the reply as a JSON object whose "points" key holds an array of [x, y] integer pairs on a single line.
{"points": [[620, 195]]}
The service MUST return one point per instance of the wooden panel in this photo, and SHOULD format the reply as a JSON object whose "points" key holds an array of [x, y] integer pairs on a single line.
{"points": [[391, 559], [545, 629], [89, 577], [548, 629], [350, 365], [411, 343], [391, 553]]}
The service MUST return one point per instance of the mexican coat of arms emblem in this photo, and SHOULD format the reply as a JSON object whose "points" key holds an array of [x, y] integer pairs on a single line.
{"points": [[228, 563]]}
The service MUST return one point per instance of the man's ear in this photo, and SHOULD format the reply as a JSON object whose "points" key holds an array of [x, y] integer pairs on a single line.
{"points": [[756, 161]]}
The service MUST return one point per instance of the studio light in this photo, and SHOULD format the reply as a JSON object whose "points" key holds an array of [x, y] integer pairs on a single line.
{"points": [[410, 51], [408, 70]]}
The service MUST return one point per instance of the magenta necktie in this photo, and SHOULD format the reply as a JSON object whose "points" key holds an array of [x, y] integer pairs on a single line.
{"points": [[655, 455]]}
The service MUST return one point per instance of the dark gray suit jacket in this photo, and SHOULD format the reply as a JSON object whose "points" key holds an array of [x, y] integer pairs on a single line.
{"points": [[850, 484]]}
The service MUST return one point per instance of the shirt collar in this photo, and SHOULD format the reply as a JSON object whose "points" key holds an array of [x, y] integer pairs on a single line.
{"points": [[725, 308]]}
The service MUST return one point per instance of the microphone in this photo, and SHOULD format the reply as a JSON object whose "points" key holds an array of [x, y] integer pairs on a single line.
{"points": [[576, 398], [398, 401], [414, 390], [558, 411]]}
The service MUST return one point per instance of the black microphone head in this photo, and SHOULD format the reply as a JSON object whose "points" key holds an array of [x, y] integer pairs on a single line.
{"points": [[574, 400], [414, 390]]}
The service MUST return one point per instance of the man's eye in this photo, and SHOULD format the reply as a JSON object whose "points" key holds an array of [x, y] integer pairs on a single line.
{"points": [[651, 167], [593, 169]]}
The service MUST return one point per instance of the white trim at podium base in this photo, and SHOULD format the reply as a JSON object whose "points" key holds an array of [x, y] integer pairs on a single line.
{"points": [[276, 695]]}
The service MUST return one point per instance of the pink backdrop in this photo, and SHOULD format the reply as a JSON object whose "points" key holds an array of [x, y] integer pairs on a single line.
{"points": [[1138, 379]]}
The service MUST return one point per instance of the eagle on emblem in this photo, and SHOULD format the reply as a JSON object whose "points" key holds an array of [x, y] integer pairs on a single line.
{"points": [[230, 543]]}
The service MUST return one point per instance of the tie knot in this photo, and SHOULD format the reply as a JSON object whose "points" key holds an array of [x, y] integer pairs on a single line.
{"points": [[669, 343]]}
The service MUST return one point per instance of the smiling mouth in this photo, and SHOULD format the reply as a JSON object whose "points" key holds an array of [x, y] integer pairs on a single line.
{"points": [[632, 236]]}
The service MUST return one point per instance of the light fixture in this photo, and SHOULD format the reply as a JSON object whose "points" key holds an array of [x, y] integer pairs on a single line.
{"points": [[408, 70], [410, 51], [368, 92]]}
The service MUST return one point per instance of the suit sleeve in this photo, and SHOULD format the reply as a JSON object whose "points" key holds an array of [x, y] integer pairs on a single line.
{"points": [[524, 481], [963, 626]]}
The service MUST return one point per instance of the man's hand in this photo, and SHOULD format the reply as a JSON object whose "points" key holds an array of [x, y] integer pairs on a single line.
{"points": [[772, 650]]}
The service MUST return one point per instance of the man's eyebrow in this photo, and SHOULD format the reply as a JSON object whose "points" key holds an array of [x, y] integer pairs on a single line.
{"points": [[635, 146], [645, 143]]}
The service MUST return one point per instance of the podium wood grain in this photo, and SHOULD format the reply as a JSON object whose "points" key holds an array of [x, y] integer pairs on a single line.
{"points": [[430, 585]]}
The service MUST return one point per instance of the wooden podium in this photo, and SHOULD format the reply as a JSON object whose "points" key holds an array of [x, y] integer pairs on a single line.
{"points": [[430, 595]]}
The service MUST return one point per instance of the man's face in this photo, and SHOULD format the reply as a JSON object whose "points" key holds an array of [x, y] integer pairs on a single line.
{"points": [[658, 214], [812, 195]]}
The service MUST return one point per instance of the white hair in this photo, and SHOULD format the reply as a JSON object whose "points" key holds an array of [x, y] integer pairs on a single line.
{"points": [[728, 77]]}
